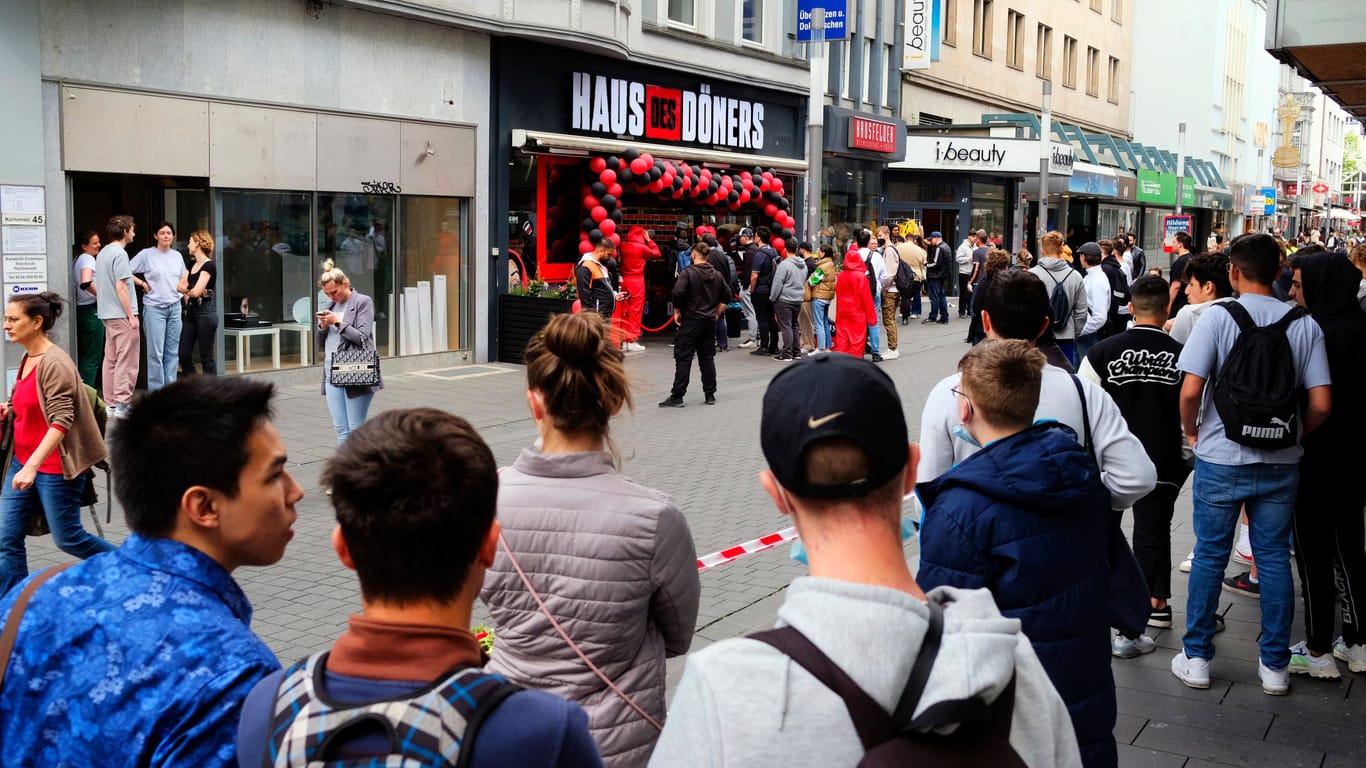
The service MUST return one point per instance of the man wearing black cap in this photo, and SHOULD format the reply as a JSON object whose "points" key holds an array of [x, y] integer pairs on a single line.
{"points": [[839, 466], [699, 296], [936, 272]]}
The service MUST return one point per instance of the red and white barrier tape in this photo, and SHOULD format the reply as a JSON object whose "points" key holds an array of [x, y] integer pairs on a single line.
{"points": [[748, 548]]}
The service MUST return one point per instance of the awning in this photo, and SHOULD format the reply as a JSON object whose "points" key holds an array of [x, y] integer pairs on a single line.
{"points": [[541, 141]]}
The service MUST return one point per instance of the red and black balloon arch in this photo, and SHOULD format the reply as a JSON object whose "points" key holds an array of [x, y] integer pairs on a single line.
{"points": [[640, 172]]}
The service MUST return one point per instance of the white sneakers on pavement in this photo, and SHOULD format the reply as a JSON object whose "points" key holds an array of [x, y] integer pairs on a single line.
{"points": [[1122, 647], [1275, 682], [1185, 565], [891, 354], [634, 346], [1193, 672], [747, 344], [1302, 662], [1353, 655]]}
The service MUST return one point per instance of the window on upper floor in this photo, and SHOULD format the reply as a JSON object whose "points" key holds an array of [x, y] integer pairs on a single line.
{"points": [[1117, 11], [1015, 26], [752, 21], [1069, 62], [1092, 72], [867, 70], [982, 28], [1043, 54], [893, 75], [950, 30], [682, 12], [1113, 95], [1095, 5]]}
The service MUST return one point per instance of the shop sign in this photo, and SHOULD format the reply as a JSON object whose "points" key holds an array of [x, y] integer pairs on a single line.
{"points": [[1319, 188], [1292, 188], [1092, 183], [619, 107], [1268, 201], [1160, 188], [986, 155], [872, 135], [1170, 226], [919, 21]]}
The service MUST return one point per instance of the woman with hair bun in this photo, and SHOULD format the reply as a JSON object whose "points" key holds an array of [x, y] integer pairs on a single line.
{"points": [[613, 560], [56, 440], [349, 318]]}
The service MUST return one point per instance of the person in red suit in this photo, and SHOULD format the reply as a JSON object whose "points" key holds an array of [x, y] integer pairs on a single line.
{"points": [[854, 310], [636, 247]]}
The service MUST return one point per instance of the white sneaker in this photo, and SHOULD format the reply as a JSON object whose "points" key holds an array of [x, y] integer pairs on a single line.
{"points": [[747, 344], [1185, 565], [1302, 662], [1192, 672], [1122, 647], [817, 351], [1354, 655], [632, 346], [1275, 682], [891, 354]]}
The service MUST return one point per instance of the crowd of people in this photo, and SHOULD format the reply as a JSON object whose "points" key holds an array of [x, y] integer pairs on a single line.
{"points": [[591, 580]]}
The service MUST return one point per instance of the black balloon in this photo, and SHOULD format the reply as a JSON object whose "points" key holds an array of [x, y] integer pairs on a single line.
{"points": [[608, 201], [734, 196], [656, 172], [613, 162], [589, 225], [787, 234], [595, 236], [678, 182], [625, 176], [631, 153], [757, 171], [783, 203], [616, 216], [599, 189]]}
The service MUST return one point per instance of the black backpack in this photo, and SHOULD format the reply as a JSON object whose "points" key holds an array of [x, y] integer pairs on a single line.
{"points": [[982, 735], [905, 276], [1115, 321], [1255, 392], [1059, 302]]}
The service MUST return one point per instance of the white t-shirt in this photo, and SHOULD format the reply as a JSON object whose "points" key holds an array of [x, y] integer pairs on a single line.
{"points": [[1187, 315], [84, 298], [162, 270]]}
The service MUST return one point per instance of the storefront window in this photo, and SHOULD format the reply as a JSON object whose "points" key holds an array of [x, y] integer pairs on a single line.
{"points": [[989, 208], [1152, 237], [1112, 218], [433, 299], [354, 232], [851, 201], [264, 246]]}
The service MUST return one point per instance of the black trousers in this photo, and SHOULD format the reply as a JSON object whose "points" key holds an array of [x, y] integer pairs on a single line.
{"points": [[763, 307], [1153, 537], [201, 325], [964, 296], [695, 336], [787, 313], [1328, 544]]}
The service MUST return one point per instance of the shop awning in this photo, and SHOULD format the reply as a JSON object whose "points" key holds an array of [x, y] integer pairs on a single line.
{"points": [[542, 141]]}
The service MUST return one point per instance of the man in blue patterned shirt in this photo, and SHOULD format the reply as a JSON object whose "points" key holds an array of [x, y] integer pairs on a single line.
{"points": [[143, 656]]}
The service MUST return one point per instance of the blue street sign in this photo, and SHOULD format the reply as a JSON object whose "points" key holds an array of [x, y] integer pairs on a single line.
{"points": [[1269, 194], [836, 12]]}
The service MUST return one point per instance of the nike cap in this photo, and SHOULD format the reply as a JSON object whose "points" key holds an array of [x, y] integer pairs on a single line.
{"points": [[826, 396]]}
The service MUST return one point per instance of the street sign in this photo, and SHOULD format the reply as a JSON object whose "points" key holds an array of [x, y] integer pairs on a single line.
{"points": [[1320, 188], [1269, 204], [836, 12]]}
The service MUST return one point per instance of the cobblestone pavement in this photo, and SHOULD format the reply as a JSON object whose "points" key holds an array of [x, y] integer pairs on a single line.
{"points": [[708, 459]]}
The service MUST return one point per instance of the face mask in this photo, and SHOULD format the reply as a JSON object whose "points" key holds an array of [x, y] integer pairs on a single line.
{"points": [[961, 432], [910, 526]]}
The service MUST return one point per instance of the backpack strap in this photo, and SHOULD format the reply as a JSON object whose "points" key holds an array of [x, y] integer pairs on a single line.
{"points": [[1240, 315], [1283, 325], [1085, 419], [488, 701], [872, 722], [972, 711]]}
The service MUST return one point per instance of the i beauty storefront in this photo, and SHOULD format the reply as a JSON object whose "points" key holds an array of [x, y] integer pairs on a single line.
{"points": [[587, 148]]}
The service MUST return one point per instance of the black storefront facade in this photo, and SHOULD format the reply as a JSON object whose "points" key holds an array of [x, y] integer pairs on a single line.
{"points": [[570, 135]]}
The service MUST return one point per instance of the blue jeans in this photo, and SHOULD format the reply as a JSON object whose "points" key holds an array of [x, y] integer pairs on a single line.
{"points": [[820, 318], [939, 305], [875, 330], [1084, 344], [51, 495], [1219, 493], [348, 413], [161, 325]]}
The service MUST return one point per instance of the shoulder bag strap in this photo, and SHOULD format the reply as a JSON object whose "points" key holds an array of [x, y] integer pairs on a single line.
{"points": [[487, 702], [872, 722], [1085, 418], [16, 615], [924, 662]]}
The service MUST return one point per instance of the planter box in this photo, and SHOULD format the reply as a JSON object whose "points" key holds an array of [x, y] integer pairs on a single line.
{"points": [[522, 317]]}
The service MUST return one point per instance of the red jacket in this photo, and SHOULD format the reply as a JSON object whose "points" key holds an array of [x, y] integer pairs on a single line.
{"points": [[635, 249], [853, 299]]}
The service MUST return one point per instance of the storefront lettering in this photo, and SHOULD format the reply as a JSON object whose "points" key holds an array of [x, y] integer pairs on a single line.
{"points": [[380, 188], [627, 108], [1062, 159], [873, 135], [918, 14], [951, 154]]}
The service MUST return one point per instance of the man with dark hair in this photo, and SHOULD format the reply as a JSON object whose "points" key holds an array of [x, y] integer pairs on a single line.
{"points": [[415, 492], [699, 297], [1138, 369], [117, 306], [744, 262], [937, 265], [1097, 285], [835, 440], [1206, 278], [1231, 472], [1016, 307], [1181, 257], [762, 267], [143, 655]]}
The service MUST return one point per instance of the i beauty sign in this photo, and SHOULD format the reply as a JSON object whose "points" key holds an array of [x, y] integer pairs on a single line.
{"points": [[620, 107]]}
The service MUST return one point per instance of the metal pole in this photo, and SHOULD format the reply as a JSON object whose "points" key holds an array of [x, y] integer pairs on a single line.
{"points": [[815, 122], [1045, 154], [1180, 166]]}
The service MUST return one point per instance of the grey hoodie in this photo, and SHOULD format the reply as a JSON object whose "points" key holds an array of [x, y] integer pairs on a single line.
{"points": [[743, 703], [1050, 270], [789, 281]]}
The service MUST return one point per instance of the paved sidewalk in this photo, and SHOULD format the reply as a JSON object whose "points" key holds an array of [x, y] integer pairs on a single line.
{"points": [[708, 458]]}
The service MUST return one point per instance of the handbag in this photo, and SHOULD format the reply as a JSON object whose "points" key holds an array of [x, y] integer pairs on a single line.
{"points": [[355, 365], [1129, 601]]}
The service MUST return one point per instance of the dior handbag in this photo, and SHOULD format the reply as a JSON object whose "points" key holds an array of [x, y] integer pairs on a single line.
{"points": [[355, 366]]}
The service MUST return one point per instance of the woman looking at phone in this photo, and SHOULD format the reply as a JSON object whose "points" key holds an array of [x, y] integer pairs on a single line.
{"points": [[348, 318]]}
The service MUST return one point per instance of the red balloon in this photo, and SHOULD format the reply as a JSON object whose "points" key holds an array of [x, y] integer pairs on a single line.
{"points": [[584, 247], [764, 185], [657, 185], [639, 166], [668, 179], [591, 202], [615, 191], [678, 194], [770, 210], [597, 165], [735, 206], [744, 196], [607, 226], [745, 174], [777, 244], [577, 306], [615, 238], [648, 158], [608, 176], [598, 213]]}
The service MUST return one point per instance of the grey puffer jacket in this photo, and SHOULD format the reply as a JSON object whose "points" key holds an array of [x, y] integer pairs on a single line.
{"points": [[615, 563]]}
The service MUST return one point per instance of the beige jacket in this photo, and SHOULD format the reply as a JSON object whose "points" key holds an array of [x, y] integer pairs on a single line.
{"points": [[914, 256]]}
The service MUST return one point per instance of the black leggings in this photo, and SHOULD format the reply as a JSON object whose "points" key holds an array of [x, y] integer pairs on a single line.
{"points": [[1329, 554], [201, 324]]}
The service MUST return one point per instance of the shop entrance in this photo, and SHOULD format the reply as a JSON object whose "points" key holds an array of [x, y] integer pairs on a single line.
{"points": [[941, 220], [95, 197]]}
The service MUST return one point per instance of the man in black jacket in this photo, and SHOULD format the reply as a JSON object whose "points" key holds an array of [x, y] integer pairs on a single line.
{"points": [[937, 265], [699, 296], [763, 263]]}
